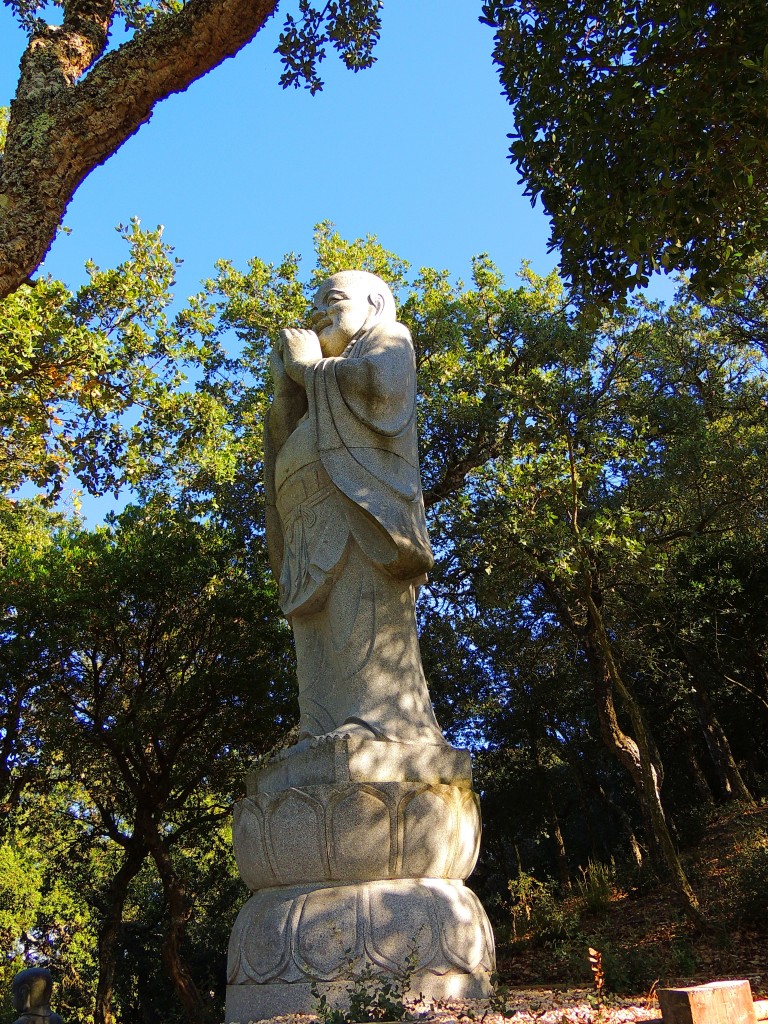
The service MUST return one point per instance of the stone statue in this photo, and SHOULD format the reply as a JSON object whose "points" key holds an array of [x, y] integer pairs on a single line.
{"points": [[345, 516], [355, 841], [31, 993]]}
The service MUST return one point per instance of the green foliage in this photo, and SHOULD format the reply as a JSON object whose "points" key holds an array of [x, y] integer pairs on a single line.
{"points": [[747, 895], [640, 128], [629, 967], [588, 461], [537, 909], [96, 384], [148, 664], [20, 881], [5, 114], [632, 968], [46, 868], [104, 385], [370, 996], [333, 253], [351, 27], [500, 998], [571, 470], [205, 863], [597, 886]]}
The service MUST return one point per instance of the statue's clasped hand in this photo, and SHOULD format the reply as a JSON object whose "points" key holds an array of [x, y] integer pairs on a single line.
{"points": [[282, 383], [300, 350]]}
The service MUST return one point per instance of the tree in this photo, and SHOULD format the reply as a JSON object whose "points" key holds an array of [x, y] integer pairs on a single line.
{"points": [[48, 870], [641, 126], [587, 459], [163, 667], [96, 384], [78, 101], [596, 498]]}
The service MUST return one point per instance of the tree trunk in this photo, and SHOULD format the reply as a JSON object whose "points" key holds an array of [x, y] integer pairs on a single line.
{"points": [[196, 1008], [74, 107], [634, 754], [551, 814], [636, 850], [587, 781], [519, 861], [758, 663], [562, 860], [702, 786], [109, 931], [12, 782], [732, 784]]}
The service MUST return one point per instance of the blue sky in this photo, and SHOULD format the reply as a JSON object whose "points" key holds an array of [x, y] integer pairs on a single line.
{"points": [[412, 150]]}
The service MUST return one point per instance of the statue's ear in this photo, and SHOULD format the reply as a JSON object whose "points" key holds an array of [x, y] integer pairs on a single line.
{"points": [[378, 302]]}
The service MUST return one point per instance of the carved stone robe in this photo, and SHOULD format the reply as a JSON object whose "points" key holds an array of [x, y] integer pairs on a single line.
{"points": [[348, 540]]}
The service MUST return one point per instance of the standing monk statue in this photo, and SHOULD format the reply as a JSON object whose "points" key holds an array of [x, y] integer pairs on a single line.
{"points": [[356, 841], [346, 530]]}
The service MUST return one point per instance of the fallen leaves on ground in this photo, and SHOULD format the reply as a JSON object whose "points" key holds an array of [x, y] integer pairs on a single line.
{"points": [[524, 1006]]}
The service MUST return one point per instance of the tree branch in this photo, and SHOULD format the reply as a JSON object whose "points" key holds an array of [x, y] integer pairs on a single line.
{"points": [[63, 125]]}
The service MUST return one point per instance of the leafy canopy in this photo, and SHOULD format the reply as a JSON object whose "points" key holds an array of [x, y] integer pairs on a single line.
{"points": [[613, 474], [103, 383], [79, 96], [350, 27], [641, 127]]}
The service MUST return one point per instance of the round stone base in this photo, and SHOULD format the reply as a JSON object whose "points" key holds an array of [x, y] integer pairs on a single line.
{"points": [[259, 1002], [356, 831], [287, 937]]}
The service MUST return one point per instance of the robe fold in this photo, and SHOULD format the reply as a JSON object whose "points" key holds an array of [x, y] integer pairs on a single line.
{"points": [[348, 540]]}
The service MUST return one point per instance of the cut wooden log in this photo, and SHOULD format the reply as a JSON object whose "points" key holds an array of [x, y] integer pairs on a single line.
{"points": [[719, 1002], [761, 1009]]}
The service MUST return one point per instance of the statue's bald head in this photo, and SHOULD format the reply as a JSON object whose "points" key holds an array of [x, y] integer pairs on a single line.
{"points": [[32, 988], [348, 302], [361, 283]]}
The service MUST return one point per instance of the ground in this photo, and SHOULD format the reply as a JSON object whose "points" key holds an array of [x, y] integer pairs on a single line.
{"points": [[543, 1006], [645, 938]]}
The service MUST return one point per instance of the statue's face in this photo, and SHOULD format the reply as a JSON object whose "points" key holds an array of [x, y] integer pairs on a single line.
{"points": [[341, 310]]}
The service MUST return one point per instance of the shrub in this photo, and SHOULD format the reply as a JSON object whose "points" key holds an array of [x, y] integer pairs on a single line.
{"points": [[597, 885], [372, 996], [536, 908], [748, 888], [628, 969]]}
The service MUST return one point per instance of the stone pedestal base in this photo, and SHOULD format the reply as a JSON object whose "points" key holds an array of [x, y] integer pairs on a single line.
{"points": [[259, 1002], [357, 851], [289, 936]]}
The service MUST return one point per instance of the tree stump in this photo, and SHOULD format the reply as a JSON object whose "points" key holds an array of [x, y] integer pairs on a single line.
{"points": [[719, 1002]]}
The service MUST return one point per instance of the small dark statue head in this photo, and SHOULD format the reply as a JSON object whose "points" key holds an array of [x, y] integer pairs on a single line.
{"points": [[31, 992]]}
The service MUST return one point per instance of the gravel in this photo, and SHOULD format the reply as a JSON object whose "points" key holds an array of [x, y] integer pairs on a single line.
{"points": [[525, 1006]]}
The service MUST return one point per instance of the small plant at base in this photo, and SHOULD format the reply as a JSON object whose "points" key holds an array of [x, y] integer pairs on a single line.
{"points": [[749, 879], [527, 893], [372, 996], [499, 1001], [652, 998], [535, 906], [597, 885]]}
